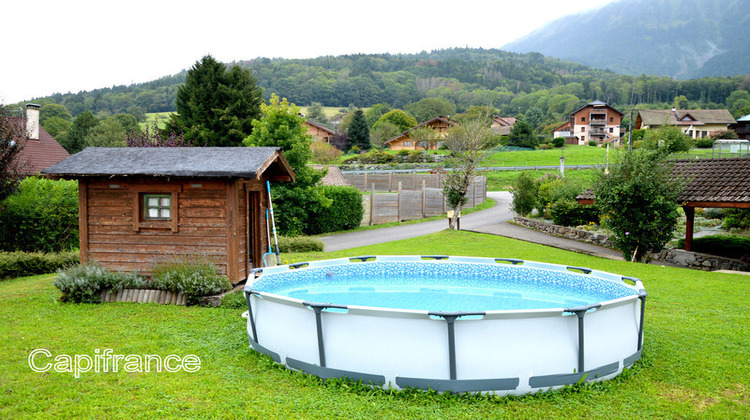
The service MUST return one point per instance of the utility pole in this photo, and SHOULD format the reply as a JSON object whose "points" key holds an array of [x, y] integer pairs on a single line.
{"points": [[630, 132]]}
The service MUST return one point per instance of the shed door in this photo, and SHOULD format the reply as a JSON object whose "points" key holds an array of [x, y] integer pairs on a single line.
{"points": [[255, 230]]}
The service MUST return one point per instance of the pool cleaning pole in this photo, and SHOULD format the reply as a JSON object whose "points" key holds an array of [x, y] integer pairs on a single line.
{"points": [[273, 223]]}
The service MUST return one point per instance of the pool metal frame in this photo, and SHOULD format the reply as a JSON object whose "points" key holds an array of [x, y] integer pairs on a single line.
{"points": [[452, 384]]}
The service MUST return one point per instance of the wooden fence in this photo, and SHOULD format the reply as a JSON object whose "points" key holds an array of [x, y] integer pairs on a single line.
{"points": [[409, 204], [389, 182]]}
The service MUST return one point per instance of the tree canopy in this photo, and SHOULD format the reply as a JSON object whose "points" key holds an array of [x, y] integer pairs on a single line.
{"points": [[11, 131], [216, 106]]}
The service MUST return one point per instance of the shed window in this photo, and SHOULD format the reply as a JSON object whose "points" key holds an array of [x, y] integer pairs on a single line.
{"points": [[157, 206], [407, 144]]}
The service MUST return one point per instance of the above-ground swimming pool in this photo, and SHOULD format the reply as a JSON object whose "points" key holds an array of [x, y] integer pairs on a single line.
{"points": [[454, 324]]}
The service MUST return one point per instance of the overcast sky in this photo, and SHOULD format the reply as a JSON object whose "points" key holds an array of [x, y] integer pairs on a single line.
{"points": [[52, 46]]}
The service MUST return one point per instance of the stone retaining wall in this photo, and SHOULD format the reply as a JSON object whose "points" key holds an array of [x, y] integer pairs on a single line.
{"points": [[144, 296], [678, 257]]}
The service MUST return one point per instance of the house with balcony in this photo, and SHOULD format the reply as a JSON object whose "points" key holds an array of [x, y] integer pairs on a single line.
{"points": [[439, 125], [596, 121], [696, 123]]}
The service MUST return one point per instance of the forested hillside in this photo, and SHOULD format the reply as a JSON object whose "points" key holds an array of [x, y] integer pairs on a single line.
{"points": [[511, 83], [678, 38]]}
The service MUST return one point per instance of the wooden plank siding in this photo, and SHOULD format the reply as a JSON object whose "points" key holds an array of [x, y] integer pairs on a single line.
{"points": [[209, 218]]}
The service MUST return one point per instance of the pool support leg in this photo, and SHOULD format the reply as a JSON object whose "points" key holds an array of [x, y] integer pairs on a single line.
{"points": [[250, 316], [450, 318], [642, 296], [318, 308], [580, 313]]}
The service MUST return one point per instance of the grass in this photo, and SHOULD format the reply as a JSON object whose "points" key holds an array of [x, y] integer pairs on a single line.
{"points": [[574, 155], [501, 180], [697, 344], [160, 118]]}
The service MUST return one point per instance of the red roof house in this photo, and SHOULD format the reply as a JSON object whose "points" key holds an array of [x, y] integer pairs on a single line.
{"points": [[40, 149]]}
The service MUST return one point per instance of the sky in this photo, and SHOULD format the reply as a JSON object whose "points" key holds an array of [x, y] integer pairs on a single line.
{"points": [[52, 46]]}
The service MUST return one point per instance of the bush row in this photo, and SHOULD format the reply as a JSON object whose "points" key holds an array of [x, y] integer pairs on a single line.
{"points": [[299, 244], [379, 157], [19, 264], [193, 275], [345, 213]]}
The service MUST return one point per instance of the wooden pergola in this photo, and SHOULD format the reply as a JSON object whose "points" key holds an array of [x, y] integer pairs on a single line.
{"points": [[718, 183]]}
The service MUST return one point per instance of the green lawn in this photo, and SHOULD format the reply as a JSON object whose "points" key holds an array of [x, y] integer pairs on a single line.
{"points": [[159, 117], [695, 360]]}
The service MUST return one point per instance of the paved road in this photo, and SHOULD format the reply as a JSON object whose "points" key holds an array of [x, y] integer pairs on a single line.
{"points": [[497, 214]]}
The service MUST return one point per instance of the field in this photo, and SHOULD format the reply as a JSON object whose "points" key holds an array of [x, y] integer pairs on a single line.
{"points": [[159, 117], [696, 348]]}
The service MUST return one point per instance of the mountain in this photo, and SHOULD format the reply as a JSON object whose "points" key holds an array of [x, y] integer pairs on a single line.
{"points": [[683, 39]]}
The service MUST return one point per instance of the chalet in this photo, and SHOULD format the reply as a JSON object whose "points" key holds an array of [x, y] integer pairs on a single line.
{"points": [[319, 132], [139, 205], [696, 123], [40, 149], [596, 121], [565, 131], [502, 126], [742, 127], [439, 124]]}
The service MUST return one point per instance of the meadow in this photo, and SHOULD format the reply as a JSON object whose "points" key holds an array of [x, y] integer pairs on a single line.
{"points": [[694, 365]]}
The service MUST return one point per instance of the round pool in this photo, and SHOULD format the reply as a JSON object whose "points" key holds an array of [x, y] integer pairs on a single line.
{"points": [[455, 324]]}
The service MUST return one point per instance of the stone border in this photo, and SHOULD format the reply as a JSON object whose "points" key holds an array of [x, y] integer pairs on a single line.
{"points": [[678, 257], [163, 297]]}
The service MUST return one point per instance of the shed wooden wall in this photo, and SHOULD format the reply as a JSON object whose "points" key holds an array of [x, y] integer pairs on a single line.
{"points": [[211, 219]]}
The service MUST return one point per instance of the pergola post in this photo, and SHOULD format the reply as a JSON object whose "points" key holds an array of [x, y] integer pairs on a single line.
{"points": [[689, 217]]}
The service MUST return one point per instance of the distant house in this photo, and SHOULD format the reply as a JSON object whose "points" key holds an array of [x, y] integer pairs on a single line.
{"points": [[403, 141], [696, 123], [140, 205], [40, 149], [502, 126], [596, 121], [742, 127], [319, 132], [334, 176]]}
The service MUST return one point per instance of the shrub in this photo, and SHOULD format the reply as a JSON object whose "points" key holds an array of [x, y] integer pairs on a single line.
{"points": [[324, 153], [713, 213], [592, 143], [345, 213], [558, 141], [403, 152], [41, 216], [84, 283], [234, 300], [299, 244], [355, 149], [524, 191], [568, 212], [704, 143], [735, 247], [18, 264], [193, 275], [736, 219]]}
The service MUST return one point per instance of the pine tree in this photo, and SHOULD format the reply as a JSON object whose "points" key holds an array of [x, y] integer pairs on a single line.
{"points": [[359, 131], [216, 106]]}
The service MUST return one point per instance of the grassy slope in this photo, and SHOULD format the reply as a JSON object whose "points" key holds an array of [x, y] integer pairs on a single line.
{"points": [[697, 343]]}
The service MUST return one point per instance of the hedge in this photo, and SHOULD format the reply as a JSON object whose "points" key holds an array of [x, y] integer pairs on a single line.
{"points": [[728, 246], [20, 264], [345, 213]]}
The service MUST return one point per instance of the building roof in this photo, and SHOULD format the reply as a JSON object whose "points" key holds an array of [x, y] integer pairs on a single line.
{"points": [[446, 120], [746, 118], [213, 162], [596, 104], [333, 177], [319, 127], [656, 117], [38, 154], [714, 180]]}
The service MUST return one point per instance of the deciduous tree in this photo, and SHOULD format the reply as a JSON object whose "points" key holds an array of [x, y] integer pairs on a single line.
{"points": [[468, 144], [638, 202], [398, 118], [11, 143], [428, 108]]}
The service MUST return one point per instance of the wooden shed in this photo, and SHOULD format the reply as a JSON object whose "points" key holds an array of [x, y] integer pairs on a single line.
{"points": [[138, 206]]}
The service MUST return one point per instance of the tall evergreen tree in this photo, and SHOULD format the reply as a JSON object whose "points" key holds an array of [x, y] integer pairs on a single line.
{"points": [[359, 131], [216, 106]]}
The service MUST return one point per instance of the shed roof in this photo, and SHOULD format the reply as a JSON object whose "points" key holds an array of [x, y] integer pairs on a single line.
{"points": [[213, 162], [431, 121], [334, 176]]}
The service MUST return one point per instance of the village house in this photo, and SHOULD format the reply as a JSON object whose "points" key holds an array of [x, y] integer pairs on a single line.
{"points": [[403, 141], [596, 121], [502, 126], [138, 206], [40, 150], [319, 132], [742, 127], [696, 123]]}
